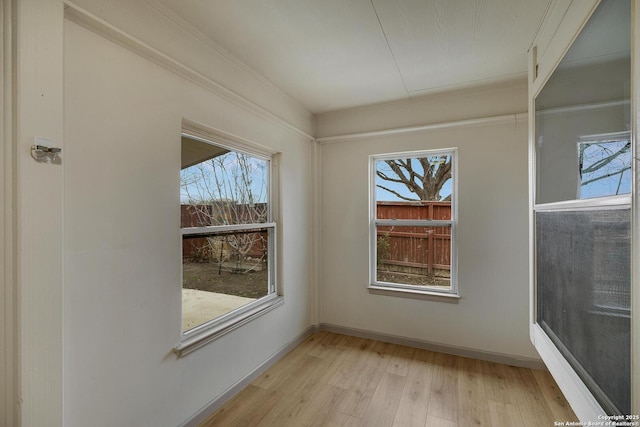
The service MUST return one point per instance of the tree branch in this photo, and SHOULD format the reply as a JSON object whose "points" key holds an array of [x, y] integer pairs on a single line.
{"points": [[605, 161], [388, 178], [621, 171], [396, 193]]}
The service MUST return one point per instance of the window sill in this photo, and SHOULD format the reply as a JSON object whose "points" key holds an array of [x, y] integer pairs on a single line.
{"points": [[414, 294], [204, 334]]}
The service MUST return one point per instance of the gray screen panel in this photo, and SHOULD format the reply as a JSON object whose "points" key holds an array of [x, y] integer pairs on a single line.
{"points": [[583, 275]]}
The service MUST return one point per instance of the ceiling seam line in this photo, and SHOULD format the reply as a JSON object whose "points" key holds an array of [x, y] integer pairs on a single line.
{"points": [[384, 34]]}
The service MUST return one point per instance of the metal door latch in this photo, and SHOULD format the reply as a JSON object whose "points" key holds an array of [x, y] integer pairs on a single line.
{"points": [[44, 153]]}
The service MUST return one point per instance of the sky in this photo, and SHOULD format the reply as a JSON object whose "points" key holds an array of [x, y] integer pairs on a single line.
{"points": [[607, 179]]}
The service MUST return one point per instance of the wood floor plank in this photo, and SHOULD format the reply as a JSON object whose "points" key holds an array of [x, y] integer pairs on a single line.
{"points": [[348, 342], [439, 422], [337, 380], [384, 402], [322, 406], [443, 400], [339, 419], [323, 344], [232, 405], [283, 411], [552, 395], [473, 409], [352, 365], [279, 373], [311, 409], [496, 384], [295, 395], [307, 376], [412, 409], [504, 414], [528, 397], [401, 357], [363, 385], [247, 408], [333, 356]]}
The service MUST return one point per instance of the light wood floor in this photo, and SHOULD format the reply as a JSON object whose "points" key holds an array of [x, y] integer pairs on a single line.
{"points": [[338, 380]]}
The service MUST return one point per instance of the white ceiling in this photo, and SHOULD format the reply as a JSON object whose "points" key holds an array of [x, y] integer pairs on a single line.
{"points": [[334, 54]]}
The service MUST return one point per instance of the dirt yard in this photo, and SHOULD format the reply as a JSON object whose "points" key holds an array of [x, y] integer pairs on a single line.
{"points": [[206, 276], [413, 279]]}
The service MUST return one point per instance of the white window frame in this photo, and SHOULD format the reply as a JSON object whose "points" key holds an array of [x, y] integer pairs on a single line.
{"points": [[201, 335], [404, 290]]}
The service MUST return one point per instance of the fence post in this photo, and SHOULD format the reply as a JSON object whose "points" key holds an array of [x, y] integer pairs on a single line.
{"points": [[430, 244]]}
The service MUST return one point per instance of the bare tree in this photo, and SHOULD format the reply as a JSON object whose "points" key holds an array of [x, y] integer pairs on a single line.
{"points": [[229, 189], [424, 177], [604, 160]]}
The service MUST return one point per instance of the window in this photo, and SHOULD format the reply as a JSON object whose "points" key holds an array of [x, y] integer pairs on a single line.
{"points": [[605, 165], [412, 222], [228, 238]]}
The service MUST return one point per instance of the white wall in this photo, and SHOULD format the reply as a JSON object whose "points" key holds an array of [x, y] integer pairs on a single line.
{"points": [[455, 105], [492, 314], [35, 216], [149, 22], [7, 291], [122, 291]]}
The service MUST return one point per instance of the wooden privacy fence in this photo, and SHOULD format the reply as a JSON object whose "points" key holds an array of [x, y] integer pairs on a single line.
{"points": [[414, 249], [205, 249]]}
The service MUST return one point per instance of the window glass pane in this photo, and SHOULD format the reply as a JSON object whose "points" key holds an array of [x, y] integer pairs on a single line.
{"points": [[418, 187], [605, 166], [583, 113], [221, 187], [222, 272], [419, 256]]}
